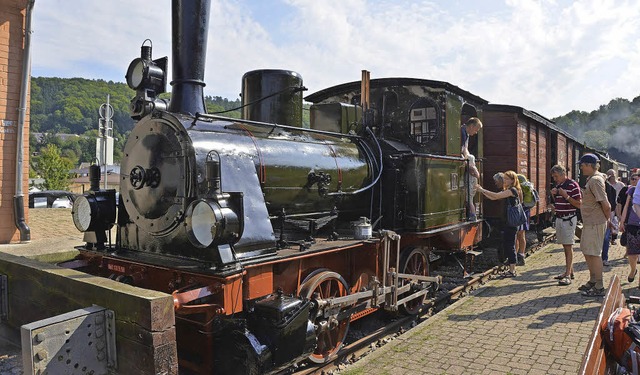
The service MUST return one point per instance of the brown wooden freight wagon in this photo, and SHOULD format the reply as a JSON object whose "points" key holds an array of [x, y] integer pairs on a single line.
{"points": [[528, 143]]}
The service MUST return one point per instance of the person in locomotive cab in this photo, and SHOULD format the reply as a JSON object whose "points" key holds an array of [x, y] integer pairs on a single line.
{"points": [[470, 128], [596, 217], [510, 190], [566, 200], [473, 182]]}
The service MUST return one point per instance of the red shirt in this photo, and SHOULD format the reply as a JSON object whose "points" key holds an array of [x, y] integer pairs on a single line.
{"points": [[563, 207]]}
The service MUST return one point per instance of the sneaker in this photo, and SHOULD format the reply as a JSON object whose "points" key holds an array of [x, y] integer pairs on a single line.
{"points": [[520, 261], [594, 292], [588, 286], [606, 263]]}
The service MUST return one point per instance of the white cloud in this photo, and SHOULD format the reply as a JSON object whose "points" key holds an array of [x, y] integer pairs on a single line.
{"points": [[547, 56]]}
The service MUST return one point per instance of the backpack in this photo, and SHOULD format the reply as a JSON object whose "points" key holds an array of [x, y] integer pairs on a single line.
{"points": [[529, 194], [621, 336]]}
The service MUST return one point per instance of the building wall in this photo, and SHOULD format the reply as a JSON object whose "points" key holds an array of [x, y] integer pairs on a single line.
{"points": [[12, 23]]}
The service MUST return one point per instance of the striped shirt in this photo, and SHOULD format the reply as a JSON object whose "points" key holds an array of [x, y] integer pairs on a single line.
{"points": [[562, 206]]}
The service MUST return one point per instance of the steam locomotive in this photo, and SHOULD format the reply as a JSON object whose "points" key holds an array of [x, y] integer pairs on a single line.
{"points": [[273, 237]]}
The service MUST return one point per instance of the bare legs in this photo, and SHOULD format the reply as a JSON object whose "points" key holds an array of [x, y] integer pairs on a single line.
{"points": [[521, 242], [568, 258], [633, 262]]}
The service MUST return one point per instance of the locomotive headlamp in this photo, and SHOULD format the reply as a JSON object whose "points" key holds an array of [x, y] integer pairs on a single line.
{"points": [[135, 73], [81, 213], [145, 73], [211, 222], [95, 211]]}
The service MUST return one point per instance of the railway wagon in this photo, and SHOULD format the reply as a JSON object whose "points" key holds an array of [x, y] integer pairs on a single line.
{"points": [[530, 144]]}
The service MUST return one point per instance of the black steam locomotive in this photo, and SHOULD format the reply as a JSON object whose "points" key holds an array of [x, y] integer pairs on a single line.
{"points": [[286, 234]]}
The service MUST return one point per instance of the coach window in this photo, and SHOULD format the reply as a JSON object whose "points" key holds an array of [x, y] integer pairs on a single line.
{"points": [[425, 125]]}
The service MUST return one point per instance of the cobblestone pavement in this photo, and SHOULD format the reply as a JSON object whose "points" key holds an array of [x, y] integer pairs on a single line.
{"points": [[525, 325]]}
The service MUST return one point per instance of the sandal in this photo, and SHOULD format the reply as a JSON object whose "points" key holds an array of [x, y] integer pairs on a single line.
{"points": [[565, 281], [509, 274], [588, 286], [563, 276], [594, 292], [631, 278]]}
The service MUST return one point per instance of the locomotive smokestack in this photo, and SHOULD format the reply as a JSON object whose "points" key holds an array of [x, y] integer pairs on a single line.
{"points": [[189, 31]]}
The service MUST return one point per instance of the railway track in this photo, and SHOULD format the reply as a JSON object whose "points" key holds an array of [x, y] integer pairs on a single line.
{"points": [[356, 350]]}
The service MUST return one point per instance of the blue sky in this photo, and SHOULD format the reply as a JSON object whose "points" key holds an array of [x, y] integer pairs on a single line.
{"points": [[547, 56]]}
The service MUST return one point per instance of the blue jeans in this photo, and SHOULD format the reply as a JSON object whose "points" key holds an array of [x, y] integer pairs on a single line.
{"points": [[605, 245]]}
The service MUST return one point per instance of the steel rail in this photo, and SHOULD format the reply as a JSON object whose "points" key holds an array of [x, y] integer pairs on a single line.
{"points": [[356, 350]]}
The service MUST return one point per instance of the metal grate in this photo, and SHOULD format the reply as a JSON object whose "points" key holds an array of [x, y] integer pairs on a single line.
{"points": [[78, 342]]}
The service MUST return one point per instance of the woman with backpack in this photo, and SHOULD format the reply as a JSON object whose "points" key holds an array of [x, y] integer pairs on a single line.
{"points": [[529, 200], [513, 193]]}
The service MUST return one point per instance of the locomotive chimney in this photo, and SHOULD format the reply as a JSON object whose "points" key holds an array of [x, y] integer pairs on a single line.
{"points": [[189, 26]]}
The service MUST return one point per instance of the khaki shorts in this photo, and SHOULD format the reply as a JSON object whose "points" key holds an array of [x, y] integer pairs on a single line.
{"points": [[565, 230], [592, 239]]}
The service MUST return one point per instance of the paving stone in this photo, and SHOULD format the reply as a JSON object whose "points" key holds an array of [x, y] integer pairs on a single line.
{"points": [[525, 325]]}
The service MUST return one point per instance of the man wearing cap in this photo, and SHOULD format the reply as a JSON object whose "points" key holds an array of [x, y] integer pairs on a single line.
{"points": [[596, 214]]}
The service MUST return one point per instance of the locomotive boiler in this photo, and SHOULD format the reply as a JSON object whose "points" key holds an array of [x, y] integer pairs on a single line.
{"points": [[213, 189], [272, 237]]}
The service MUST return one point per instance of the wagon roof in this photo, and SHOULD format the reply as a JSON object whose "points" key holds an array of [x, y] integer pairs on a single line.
{"points": [[386, 82], [532, 115]]}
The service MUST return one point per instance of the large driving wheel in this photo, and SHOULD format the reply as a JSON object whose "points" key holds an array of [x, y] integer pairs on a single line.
{"points": [[413, 262], [330, 332]]}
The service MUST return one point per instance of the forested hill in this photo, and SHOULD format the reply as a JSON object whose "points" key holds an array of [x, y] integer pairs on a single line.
{"points": [[614, 127], [70, 105]]}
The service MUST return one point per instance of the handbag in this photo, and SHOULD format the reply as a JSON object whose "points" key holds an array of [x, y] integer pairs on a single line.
{"points": [[623, 238], [515, 213]]}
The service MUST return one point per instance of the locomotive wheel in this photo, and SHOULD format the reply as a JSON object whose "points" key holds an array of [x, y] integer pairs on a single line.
{"points": [[330, 332], [413, 262]]}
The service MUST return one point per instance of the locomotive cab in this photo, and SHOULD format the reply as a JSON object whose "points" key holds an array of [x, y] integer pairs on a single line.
{"points": [[418, 124]]}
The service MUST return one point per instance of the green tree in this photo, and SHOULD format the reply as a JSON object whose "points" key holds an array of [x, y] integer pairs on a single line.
{"points": [[53, 168]]}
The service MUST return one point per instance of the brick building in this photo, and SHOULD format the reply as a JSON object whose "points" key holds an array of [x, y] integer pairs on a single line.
{"points": [[12, 43]]}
